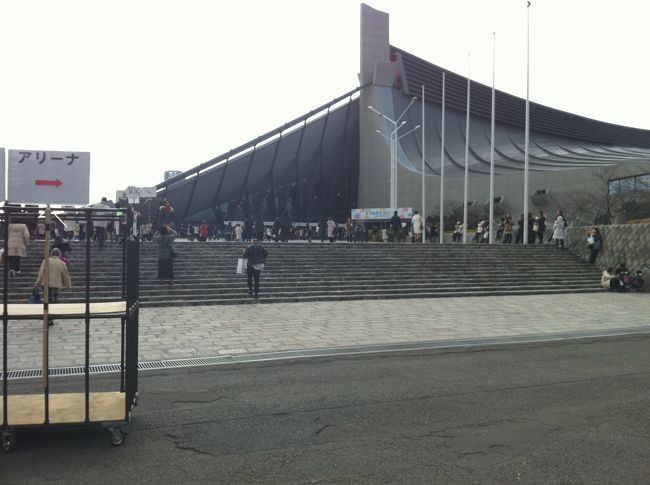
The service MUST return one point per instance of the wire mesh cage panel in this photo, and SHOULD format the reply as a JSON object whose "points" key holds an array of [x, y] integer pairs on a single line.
{"points": [[40, 405]]}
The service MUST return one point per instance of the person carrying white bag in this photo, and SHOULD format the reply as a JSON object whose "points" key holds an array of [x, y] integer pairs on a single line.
{"points": [[255, 255], [241, 266]]}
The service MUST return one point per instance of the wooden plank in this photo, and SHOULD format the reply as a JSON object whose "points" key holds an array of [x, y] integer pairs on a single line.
{"points": [[64, 408], [67, 309]]}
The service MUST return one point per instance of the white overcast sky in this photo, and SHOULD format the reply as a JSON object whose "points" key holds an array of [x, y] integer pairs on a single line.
{"points": [[153, 85]]}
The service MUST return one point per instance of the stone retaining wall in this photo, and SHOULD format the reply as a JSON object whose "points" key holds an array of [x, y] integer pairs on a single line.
{"points": [[629, 243]]}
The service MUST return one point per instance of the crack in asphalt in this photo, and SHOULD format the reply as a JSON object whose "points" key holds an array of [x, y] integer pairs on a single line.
{"points": [[322, 428], [209, 401], [407, 400], [184, 446], [470, 453]]}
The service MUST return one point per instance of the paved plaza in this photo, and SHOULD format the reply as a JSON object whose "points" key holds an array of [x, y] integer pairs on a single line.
{"points": [[202, 331]]}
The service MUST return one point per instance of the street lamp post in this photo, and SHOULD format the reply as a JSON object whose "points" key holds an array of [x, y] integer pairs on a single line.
{"points": [[394, 138]]}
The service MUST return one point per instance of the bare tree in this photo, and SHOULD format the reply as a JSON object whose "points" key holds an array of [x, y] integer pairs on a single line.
{"points": [[453, 213], [611, 202], [601, 206], [583, 207]]}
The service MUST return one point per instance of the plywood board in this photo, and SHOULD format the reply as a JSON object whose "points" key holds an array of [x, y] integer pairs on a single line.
{"points": [[65, 309], [64, 408]]}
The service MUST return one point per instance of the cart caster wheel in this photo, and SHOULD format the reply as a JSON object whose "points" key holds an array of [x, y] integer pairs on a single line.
{"points": [[117, 436], [8, 441]]}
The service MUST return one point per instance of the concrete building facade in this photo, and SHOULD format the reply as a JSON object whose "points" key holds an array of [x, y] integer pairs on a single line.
{"points": [[337, 157]]}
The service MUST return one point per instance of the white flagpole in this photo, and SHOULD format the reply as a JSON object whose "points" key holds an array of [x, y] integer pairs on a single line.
{"points": [[527, 135], [395, 139], [392, 172], [491, 226], [442, 165], [424, 217], [469, 59]]}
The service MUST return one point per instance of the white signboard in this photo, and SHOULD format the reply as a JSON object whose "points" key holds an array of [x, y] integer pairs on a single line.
{"points": [[148, 192], [140, 193], [2, 174], [46, 177], [380, 214]]}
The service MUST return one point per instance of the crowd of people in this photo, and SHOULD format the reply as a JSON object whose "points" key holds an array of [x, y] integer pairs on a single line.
{"points": [[254, 230], [506, 229], [56, 265], [393, 230], [326, 229]]}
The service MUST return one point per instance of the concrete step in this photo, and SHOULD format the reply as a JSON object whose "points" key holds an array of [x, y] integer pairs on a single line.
{"points": [[205, 272], [397, 295]]}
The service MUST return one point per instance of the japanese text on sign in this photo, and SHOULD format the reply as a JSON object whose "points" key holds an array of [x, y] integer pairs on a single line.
{"points": [[40, 157], [48, 177]]}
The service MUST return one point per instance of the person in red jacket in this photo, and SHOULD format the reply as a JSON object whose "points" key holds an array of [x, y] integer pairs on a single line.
{"points": [[204, 230]]}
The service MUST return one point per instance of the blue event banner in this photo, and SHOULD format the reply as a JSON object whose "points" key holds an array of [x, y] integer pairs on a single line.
{"points": [[378, 214]]}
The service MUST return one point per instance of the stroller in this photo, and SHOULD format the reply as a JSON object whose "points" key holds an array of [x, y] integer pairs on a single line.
{"points": [[636, 282], [632, 282]]}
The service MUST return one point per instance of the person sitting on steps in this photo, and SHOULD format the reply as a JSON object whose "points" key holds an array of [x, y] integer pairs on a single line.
{"points": [[610, 281]]}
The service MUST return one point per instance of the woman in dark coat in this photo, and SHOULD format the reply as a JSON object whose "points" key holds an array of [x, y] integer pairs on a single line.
{"points": [[248, 229], [595, 244], [285, 224], [520, 230], [531, 233], [541, 227], [165, 239]]}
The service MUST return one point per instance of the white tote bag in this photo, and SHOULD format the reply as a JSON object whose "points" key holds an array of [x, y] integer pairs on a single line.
{"points": [[241, 265]]}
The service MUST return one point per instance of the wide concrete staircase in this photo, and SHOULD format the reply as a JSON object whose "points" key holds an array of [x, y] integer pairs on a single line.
{"points": [[205, 272]]}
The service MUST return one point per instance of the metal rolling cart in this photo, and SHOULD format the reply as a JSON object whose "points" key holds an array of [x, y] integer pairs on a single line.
{"points": [[111, 410]]}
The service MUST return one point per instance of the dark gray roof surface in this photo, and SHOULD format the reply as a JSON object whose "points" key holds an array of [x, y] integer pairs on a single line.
{"points": [[511, 109]]}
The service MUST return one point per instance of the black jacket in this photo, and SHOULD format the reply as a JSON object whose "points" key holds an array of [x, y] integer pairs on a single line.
{"points": [[259, 225], [256, 254]]}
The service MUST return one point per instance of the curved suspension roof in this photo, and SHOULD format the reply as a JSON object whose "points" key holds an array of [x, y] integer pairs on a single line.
{"points": [[558, 140], [511, 109]]}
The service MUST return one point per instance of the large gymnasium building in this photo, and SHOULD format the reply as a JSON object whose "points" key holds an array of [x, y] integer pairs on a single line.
{"points": [[333, 159]]}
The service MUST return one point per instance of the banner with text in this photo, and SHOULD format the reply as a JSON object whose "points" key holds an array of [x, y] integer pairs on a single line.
{"points": [[48, 177], [381, 214]]}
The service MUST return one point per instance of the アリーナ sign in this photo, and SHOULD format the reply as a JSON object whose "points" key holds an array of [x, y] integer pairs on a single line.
{"points": [[48, 177]]}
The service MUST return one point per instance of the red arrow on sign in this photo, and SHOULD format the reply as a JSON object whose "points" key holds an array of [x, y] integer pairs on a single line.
{"points": [[53, 183]]}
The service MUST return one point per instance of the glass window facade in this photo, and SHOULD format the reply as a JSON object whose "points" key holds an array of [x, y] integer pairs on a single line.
{"points": [[614, 186], [629, 184], [643, 182]]}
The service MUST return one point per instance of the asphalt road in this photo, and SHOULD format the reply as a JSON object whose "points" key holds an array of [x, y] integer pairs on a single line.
{"points": [[572, 412]]}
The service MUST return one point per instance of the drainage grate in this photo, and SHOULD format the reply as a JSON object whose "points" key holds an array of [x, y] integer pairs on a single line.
{"points": [[324, 352], [62, 371]]}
